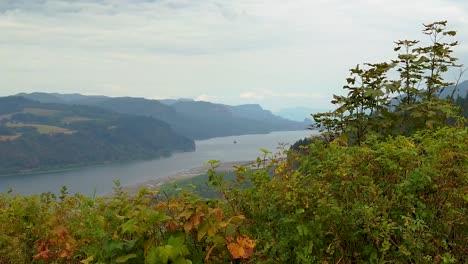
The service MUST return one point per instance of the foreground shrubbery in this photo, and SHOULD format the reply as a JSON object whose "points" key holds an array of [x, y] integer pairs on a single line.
{"points": [[121, 229], [402, 200]]}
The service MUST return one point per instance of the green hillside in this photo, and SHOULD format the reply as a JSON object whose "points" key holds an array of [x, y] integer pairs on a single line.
{"points": [[192, 119], [36, 136]]}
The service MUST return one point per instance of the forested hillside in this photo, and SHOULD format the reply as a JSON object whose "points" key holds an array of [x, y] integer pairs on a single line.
{"points": [[463, 104], [37, 136], [193, 119], [379, 185]]}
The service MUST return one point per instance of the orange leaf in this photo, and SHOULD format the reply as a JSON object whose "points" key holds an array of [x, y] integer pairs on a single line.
{"points": [[66, 253], [219, 215], [236, 250], [188, 226], [171, 226], [44, 254], [60, 231], [244, 241], [196, 219], [242, 249]]}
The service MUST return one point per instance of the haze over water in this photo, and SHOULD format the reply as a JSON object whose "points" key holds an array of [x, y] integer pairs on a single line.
{"points": [[100, 179]]}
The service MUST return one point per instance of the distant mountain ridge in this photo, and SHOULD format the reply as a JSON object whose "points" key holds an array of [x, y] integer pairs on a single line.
{"points": [[299, 113], [458, 91], [42, 136], [193, 119]]}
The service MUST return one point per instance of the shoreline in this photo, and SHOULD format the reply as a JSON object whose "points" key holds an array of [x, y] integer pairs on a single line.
{"points": [[183, 174], [77, 167]]}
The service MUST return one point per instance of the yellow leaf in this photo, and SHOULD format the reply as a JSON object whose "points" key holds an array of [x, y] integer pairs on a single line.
{"points": [[186, 214], [202, 230], [88, 260], [212, 231], [237, 218]]}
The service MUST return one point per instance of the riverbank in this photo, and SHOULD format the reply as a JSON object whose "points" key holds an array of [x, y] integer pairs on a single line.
{"points": [[183, 174], [99, 180], [76, 167]]}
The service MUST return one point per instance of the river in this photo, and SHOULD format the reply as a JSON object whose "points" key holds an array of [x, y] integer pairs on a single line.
{"points": [[100, 179]]}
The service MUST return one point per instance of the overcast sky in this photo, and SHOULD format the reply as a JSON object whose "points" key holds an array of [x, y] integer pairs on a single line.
{"points": [[274, 52]]}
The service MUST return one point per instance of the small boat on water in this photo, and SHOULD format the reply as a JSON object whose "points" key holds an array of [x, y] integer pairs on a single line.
{"points": [[235, 142]]}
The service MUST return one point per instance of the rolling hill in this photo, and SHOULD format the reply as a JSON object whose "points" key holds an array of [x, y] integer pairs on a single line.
{"points": [[192, 119], [42, 136]]}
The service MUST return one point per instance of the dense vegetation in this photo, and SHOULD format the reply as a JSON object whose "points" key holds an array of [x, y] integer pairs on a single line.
{"points": [[36, 136], [192, 119], [362, 193], [463, 104]]}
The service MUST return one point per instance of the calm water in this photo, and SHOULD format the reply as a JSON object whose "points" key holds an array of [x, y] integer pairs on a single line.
{"points": [[100, 179]]}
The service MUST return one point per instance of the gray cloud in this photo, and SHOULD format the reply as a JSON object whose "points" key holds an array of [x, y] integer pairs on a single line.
{"points": [[215, 48]]}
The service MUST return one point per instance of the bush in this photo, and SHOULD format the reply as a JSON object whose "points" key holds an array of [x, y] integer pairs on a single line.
{"points": [[402, 200]]}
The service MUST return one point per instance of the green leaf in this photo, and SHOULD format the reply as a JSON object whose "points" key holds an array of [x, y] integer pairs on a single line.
{"points": [[124, 259], [182, 260], [113, 245], [129, 226], [156, 255], [202, 230], [176, 241], [265, 151]]}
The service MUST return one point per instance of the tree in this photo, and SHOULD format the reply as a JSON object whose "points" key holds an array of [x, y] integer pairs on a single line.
{"points": [[375, 104]]}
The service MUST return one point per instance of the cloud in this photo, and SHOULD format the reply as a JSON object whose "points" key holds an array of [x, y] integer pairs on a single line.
{"points": [[251, 95], [266, 93], [305, 95], [208, 98], [192, 48], [152, 27]]}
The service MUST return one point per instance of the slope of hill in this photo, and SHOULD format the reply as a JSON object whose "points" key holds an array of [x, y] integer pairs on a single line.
{"points": [[42, 136], [460, 90], [256, 112], [462, 102], [193, 119], [206, 120], [173, 101], [299, 113], [43, 97]]}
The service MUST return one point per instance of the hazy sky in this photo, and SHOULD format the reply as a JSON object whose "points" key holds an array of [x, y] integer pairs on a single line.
{"points": [[274, 52]]}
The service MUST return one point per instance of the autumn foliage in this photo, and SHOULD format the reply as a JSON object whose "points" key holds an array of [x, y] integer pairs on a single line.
{"points": [[119, 229]]}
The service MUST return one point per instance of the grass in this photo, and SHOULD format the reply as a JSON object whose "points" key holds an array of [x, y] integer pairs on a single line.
{"points": [[41, 111], [43, 129], [6, 116], [196, 185], [7, 138], [71, 119], [33, 111]]}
